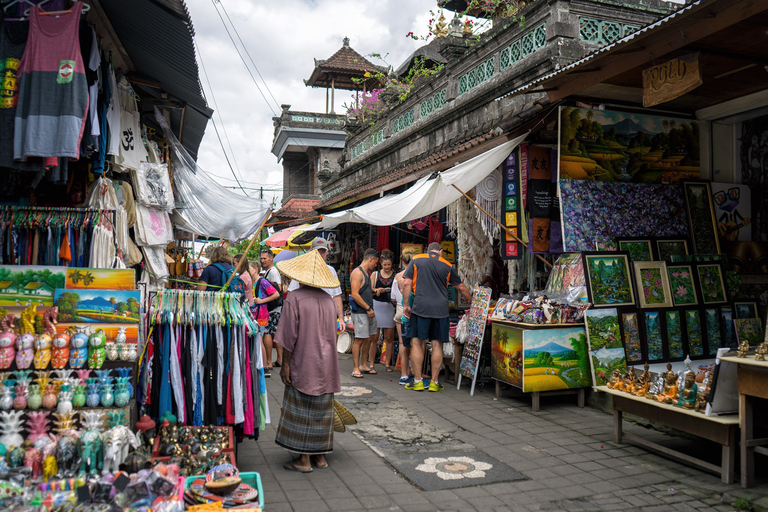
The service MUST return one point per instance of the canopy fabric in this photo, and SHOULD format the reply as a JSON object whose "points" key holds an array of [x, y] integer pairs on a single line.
{"points": [[428, 195], [283, 237]]}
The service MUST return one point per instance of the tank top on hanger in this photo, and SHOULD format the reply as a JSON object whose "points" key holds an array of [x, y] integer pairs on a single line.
{"points": [[53, 89]]}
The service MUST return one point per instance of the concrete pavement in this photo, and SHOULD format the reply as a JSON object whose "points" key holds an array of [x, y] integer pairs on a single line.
{"points": [[448, 451]]}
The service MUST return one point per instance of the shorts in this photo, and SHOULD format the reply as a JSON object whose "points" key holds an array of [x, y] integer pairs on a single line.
{"points": [[399, 314], [429, 328], [405, 329], [274, 318], [364, 325]]}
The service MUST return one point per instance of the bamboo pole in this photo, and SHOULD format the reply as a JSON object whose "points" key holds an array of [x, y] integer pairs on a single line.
{"points": [[505, 228], [245, 252]]}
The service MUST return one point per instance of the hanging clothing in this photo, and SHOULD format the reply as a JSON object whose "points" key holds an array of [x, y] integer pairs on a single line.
{"points": [[132, 151], [113, 114], [53, 90]]}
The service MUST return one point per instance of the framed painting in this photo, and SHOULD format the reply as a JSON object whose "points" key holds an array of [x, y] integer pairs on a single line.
{"points": [[666, 248], [729, 330], [711, 283], [701, 218], [98, 306], [694, 333], [631, 336], [713, 330], [605, 349], [653, 330], [638, 249], [652, 284], [20, 284], [682, 285], [747, 309], [749, 330], [674, 333], [607, 279], [100, 279]]}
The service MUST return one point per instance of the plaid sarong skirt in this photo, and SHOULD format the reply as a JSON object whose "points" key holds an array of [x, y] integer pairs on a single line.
{"points": [[306, 423]]}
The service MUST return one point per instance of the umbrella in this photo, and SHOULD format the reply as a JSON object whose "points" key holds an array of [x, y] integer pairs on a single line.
{"points": [[283, 237], [285, 254]]}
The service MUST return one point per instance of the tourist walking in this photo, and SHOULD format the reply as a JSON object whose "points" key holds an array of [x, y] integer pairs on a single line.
{"points": [[212, 278], [310, 368], [429, 276], [401, 323], [272, 275], [383, 307], [363, 317], [245, 275]]}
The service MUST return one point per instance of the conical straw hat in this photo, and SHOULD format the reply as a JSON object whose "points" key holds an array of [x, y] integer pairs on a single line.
{"points": [[308, 269]]}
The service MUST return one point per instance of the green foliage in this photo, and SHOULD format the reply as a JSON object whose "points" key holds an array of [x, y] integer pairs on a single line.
{"points": [[744, 504], [543, 359], [67, 303], [239, 248]]}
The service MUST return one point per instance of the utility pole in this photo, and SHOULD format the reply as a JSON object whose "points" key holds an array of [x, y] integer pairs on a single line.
{"points": [[261, 192]]}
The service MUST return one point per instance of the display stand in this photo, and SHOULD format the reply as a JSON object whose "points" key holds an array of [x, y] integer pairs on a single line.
{"points": [[720, 429], [470, 359], [553, 368], [753, 383]]}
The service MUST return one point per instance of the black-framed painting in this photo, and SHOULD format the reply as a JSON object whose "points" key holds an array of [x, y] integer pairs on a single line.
{"points": [[701, 217], [682, 284], [728, 327], [745, 309], [652, 284], [713, 330], [666, 248], [749, 330], [639, 249], [653, 335], [673, 333], [711, 282], [608, 279], [694, 333], [630, 335]]}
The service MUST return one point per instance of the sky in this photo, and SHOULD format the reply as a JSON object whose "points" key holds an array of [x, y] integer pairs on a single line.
{"points": [[282, 38]]}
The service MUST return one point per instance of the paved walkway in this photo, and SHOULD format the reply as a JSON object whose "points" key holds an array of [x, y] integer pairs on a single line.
{"points": [[561, 458]]}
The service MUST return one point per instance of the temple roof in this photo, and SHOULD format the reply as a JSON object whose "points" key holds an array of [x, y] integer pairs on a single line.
{"points": [[341, 68]]}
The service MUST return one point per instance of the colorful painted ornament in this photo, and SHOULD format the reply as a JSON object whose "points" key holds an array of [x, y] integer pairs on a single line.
{"points": [[43, 352], [97, 353], [24, 351], [79, 353], [7, 342], [60, 351]]}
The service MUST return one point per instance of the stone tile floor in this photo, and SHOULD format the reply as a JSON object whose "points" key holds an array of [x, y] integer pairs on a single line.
{"points": [[565, 453]]}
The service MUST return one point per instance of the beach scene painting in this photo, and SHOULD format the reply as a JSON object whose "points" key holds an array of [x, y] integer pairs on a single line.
{"points": [[555, 359], [605, 347], [22, 283], [98, 306], [100, 279]]}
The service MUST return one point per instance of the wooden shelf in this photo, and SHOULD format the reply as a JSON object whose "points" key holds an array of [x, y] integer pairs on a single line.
{"points": [[535, 326], [749, 360]]}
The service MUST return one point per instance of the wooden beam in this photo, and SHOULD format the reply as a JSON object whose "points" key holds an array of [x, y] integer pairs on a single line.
{"points": [[105, 29], [692, 26]]}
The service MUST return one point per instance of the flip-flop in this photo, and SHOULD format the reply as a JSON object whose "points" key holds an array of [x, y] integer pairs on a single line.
{"points": [[371, 372], [288, 466], [389, 369], [315, 465], [357, 376]]}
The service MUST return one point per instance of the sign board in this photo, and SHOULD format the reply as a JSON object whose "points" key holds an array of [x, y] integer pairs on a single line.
{"points": [[449, 251], [670, 80], [473, 345]]}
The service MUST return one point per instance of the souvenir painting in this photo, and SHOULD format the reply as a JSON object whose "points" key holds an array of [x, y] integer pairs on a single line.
{"points": [[666, 249], [555, 359], [674, 329], [22, 283], [606, 351], [745, 309], [653, 335], [639, 250], [608, 279], [711, 283], [631, 337], [701, 218], [98, 306], [681, 284], [712, 328], [507, 350], [749, 330], [652, 284], [606, 246], [100, 279], [732, 210], [694, 333], [729, 330]]}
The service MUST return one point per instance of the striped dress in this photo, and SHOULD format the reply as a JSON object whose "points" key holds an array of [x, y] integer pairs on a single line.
{"points": [[53, 89]]}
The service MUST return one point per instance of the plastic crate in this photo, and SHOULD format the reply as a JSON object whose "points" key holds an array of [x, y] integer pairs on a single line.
{"points": [[252, 478]]}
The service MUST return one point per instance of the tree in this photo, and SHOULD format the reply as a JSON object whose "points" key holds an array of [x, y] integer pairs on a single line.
{"points": [[113, 301], [580, 347], [543, 359], [88, 279], [67, 303], [133, 305]]}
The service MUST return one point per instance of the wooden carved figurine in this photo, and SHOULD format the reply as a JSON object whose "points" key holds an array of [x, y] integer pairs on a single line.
{"points": [[702, 394], [50, 320], [762, 349], [643, 383], [24, 351], [42, 352], [688, 393], [669, 393], [628, 382], [743, 349], [60, 351], [7, 342], [615, 382]]}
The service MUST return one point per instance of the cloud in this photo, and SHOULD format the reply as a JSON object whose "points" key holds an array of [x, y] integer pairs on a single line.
{"points": [[282, 38]]}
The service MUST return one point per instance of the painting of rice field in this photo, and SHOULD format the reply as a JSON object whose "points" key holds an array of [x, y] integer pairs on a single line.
{"points": [[98, 306], [653, 335], [22, 283], [712, 326], [555, 359], [605, 347], [608, 279], [507, 354], [100, 279], [681, 284], [631, 337], [694, 333], [675, 335], [606, 145]]}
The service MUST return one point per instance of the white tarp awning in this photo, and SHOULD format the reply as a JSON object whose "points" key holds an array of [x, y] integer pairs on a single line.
{"points": [[426, 196]]}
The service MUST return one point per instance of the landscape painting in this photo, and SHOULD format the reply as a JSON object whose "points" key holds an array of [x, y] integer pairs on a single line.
{"points": [[711, 283], [653, 336], [675, 335], [639, 250], [631, 337], [652, 284], [681, 284], [665, 249], [507, 354], [21, 283], [714, 334], [555, 359], [605, 348], [694, 333], [608, 279], [749, 330], [98, 306], [100, 279], [606, 145], [745, 309]]}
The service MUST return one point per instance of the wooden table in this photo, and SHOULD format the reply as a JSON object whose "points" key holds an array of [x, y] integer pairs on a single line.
{"points": [[720, 429], [753, 383]]}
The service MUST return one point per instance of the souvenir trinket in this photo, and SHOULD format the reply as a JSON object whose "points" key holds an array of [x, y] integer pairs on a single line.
{"points": [[60, 351], [24, 351], [7, 342], [79, 352]]}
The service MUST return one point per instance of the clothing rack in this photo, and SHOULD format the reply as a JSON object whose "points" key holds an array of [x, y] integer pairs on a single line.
{"points": [[192, 307], [65, 216]]}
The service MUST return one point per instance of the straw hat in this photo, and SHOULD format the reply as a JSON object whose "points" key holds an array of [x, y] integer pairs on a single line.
{"points": [[309, 269]]}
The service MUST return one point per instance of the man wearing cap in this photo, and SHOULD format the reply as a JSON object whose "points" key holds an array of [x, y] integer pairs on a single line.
{"points": [[321, 245], [310, 369]]}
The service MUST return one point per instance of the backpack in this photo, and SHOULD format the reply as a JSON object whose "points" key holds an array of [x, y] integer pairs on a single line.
{"points": [[278, 302], [236, 285]]}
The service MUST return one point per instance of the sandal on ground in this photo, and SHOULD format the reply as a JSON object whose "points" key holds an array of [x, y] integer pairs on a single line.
{"points": [[389, 368], [371, 372], [314, 463], [276, 364], [289, 466], [357, 376]]}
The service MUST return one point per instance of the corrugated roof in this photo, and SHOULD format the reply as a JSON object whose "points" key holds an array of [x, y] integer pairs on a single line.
{"points": [[158, 37]]}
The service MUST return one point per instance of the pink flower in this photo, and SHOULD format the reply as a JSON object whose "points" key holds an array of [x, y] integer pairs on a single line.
{"points": [[681, 291]]}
